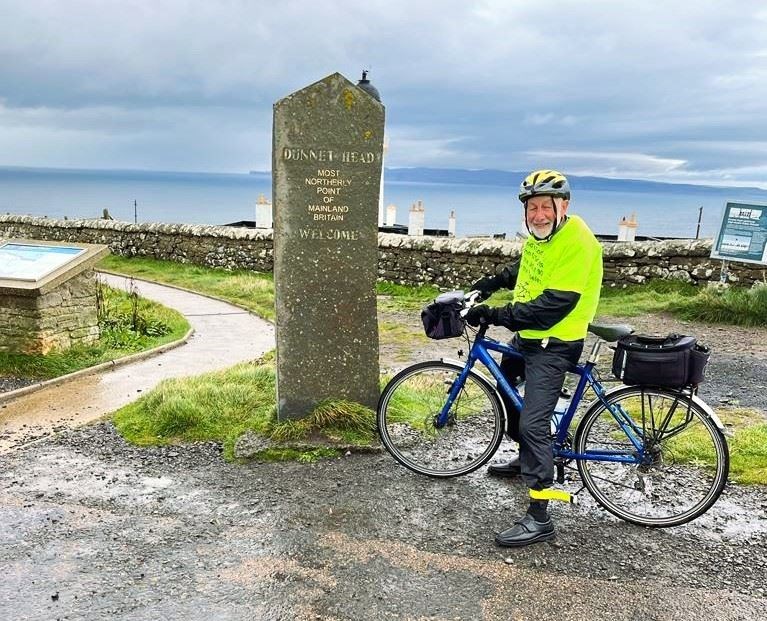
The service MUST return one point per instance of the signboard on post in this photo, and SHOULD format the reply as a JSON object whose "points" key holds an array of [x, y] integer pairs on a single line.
{"points": [[743, 234]]}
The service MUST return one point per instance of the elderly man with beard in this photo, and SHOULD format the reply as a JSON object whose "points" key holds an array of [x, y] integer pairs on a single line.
{"points": [[556, 292]]}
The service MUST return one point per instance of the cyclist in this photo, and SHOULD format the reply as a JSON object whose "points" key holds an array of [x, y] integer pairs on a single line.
{"points": [[556, 291]]}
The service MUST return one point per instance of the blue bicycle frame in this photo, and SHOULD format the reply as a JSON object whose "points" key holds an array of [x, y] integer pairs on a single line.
{"points": [[480, 351]]}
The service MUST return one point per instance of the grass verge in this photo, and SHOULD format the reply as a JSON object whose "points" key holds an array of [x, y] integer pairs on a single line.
{"points": [[748, 445], [223, 405], [155, 325], [726, 305], [255, 291]]}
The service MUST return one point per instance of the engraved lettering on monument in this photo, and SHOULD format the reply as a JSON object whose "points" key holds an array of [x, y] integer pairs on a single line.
{"points": [[327, 155]]}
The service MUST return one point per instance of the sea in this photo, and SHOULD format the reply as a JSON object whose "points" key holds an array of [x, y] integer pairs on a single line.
{"points": [[487, 207]]}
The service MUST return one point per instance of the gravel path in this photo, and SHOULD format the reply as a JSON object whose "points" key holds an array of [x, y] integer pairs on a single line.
{"points": [[95, 529], [92, 528]]}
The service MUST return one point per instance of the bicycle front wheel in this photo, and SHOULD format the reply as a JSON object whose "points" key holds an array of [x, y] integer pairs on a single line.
{"points": [[407, 415], [685, 457]]}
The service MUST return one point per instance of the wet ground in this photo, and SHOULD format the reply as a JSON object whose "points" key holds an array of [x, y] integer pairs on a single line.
{"points": [[223, 335], [94, 529]]}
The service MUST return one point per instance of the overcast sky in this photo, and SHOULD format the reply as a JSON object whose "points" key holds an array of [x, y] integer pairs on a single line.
{"points": [[673, 91]]}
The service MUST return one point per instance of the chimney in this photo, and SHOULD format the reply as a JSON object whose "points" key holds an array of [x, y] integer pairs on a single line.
{"points": [[415, 223], [627, 228], [263, 213], [391, 215]]}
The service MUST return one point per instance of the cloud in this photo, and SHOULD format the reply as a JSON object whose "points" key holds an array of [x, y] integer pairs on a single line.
{"points": [[607, 164], [621, 87]]}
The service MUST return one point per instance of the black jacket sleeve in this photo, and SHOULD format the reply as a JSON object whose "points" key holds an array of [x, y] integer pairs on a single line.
{"points": [[506, 278], [545, 311]]}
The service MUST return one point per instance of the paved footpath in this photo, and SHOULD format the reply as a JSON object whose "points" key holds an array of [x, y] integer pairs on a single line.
{"points": [[223, 336]]}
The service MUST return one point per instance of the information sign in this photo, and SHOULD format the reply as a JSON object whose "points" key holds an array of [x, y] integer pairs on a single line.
{"points": [[742, 234], [31, 262]]}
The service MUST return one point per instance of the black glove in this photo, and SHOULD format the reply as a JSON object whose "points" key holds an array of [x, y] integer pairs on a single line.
{"points": [[481, 314], [486, 286]]}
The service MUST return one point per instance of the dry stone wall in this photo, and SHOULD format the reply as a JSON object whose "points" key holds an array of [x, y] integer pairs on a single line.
{"points": [[212, 246], [445, 262]]}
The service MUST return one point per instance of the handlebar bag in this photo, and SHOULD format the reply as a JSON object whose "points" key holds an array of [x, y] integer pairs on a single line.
{"points": [[442, 319], [671, 361]]}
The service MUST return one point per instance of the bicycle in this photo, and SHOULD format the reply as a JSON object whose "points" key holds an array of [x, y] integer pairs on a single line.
{"points": [[651, 456]]}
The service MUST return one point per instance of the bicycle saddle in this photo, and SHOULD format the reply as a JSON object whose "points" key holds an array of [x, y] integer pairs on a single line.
{"points": [[610, 333]]}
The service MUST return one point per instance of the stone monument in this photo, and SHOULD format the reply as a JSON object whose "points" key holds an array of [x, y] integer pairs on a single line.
{"points": [[326, 172]]}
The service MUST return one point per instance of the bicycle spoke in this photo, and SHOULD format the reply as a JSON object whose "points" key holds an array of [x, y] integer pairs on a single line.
{"points": [[412, 430], [684, 457]]}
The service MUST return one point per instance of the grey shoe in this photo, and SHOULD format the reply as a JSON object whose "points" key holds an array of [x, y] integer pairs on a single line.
{"points": [[506, 469], [526, 531]]}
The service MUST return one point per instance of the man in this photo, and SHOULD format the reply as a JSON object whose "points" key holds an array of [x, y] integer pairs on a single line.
{"points": [[556, 291]]}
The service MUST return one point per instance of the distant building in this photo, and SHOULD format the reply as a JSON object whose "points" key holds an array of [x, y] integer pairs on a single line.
{"points": [[264, 217], [627, 228], [416, 219]]}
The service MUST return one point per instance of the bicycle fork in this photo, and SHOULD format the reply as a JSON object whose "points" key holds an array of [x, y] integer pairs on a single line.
{"points": [[453, 393]]}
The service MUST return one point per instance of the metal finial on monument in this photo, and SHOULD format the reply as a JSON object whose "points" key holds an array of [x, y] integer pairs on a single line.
{"points": [[366, 86]]}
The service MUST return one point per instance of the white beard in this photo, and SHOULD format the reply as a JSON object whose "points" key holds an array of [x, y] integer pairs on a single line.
{"points": [[542, 232]]}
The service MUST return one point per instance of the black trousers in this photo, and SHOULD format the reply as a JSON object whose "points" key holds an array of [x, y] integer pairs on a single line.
{"points": [[543, 369]]}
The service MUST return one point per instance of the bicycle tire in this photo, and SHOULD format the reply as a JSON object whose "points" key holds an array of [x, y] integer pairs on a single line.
{"points": [[406, 415], [687, 464]]}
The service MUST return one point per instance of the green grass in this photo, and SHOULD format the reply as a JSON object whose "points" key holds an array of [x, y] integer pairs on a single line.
{"points": [[209, 408], [403, 337], [727, 305], [393, 297], [255, 291], [748, 445], [251, 290], [746, 307], [652, 297], [223, 405], [160, 325], [217, 406]]}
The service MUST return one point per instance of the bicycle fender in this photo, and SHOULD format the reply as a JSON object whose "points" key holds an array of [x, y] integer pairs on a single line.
{"points": [[710, 411], [451, 361]]}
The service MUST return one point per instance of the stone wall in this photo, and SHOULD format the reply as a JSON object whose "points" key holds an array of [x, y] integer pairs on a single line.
{"points": [[212, 246], [35, 323], [445, 262], [457, 262]]}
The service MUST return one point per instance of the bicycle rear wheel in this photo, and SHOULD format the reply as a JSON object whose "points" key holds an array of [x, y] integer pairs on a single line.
{"points": [[686, 457], [408, 409]]}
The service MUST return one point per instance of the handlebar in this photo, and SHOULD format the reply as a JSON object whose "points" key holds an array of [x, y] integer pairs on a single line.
{"points": [[471, 299]]}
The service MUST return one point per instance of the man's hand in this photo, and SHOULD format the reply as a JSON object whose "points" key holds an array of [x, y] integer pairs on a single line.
{"points": [[486, 286], [481, 314]]}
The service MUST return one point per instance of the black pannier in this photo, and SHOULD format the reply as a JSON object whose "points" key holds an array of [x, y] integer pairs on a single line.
{"points": [[669, 361], [441, 319]]}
